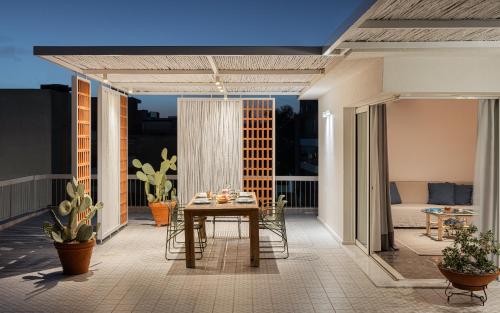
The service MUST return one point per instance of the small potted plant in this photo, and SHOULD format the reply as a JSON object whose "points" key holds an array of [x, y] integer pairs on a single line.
{"points": [[75, 240], [467, 264], [162, 199]]}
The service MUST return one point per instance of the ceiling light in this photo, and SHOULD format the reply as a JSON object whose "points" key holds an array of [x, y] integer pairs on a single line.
{"points": [[220, 87], [221, 90], [217, 83], [106, 81], [130, 91]]}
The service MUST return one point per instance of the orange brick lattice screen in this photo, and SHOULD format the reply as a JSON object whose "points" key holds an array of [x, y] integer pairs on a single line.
{"points": [[81, 133], [258, 148], [123, 159]]}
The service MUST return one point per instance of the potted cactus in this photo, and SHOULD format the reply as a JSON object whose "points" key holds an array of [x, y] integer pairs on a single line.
{"points": [[75, 240], [159, 190]]}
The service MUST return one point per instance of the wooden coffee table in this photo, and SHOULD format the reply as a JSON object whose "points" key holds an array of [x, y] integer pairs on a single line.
{"points": [[441, 216]]}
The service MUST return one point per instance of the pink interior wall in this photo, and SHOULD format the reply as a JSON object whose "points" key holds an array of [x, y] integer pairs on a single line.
{"points": [[432, 140]]}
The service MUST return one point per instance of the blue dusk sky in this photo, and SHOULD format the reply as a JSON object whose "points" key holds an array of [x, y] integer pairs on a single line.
{"points": [[24, 24]]}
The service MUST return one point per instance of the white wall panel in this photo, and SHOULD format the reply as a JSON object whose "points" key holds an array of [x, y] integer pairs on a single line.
{"points": [[108, 160], [209, 145]]}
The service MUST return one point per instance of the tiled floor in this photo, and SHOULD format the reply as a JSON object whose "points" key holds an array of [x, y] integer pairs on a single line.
{"points": [[411, 265], [129, 274]]}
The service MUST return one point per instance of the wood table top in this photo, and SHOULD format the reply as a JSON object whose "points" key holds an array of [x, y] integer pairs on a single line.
{"points": [[228, 206]]}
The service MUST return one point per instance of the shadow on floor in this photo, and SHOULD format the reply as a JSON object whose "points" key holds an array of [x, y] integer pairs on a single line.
{"points": [[24, 248]]}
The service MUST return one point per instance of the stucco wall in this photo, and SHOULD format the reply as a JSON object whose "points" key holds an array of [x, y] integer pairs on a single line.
{"points": [[353, 81], [432, 140]]}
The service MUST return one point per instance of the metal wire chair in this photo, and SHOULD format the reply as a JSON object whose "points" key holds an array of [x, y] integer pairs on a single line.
{"points": [[272, 218], [175, 228]]}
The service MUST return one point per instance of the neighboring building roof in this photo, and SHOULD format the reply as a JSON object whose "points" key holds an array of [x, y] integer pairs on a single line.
{"points": [[195, 70]]}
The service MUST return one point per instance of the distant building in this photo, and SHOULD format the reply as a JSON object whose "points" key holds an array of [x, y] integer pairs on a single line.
{"points": [[35, 130]]}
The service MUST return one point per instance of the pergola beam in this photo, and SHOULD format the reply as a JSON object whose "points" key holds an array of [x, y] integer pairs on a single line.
{"points": [[229, 93], [202, 72], [177, 50], [430, 24], [374, 46], [210, 84]]}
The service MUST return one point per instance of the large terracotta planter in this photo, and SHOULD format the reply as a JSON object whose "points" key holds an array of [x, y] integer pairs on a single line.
{"points": [[75, 257], [161, 212], [470, 282]]}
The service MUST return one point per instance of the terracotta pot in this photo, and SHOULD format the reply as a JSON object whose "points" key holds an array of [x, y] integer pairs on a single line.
{"points": [[470, 282], [75, 257], [161, 212]]}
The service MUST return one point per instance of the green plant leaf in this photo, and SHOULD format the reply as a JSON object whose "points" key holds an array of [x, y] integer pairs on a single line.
{"points": [[85, 232], [168, 186], [148, 169], [56, 236], [64, 208], [75, 182], [165, 165], [164, 153], [47, 229], [70, 190], [158, 178], [85, 204], [151, 198], [151, 180], [141, 176], [80, 190], [173, 167], [173, 159], [99, 205], [136, 163]]}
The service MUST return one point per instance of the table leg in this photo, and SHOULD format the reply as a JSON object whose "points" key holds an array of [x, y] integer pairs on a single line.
{"points": [[254, 238], [440, 228], [189, 234], [428, 224]]}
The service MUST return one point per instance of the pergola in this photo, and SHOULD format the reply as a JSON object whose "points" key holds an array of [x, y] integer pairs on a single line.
{"points": [[167, 70], [191, 70]]}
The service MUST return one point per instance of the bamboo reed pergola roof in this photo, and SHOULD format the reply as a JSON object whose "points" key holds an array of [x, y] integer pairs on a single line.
{"points": [[195, 70], [423, 24]]}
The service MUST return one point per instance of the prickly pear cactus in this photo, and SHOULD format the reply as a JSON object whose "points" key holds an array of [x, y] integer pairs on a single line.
{"points": [[162, 186], [74, 230]]}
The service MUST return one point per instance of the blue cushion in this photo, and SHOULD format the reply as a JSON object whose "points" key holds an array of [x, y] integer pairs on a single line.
{"points": [[393, 191], [463, 194], [441, 193]]}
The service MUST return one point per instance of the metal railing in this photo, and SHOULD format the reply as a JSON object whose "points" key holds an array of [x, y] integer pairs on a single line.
{"points": [[25, 195]]}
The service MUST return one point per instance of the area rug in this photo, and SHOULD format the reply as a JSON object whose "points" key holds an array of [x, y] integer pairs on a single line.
{"points": [[417, 241]]}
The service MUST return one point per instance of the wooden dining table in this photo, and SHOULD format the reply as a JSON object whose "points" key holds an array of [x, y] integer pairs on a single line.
{"points": [[231, 208]]}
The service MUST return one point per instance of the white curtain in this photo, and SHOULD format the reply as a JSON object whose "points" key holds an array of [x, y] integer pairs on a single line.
{"points": [[209, 145], [486, 184], [108, 160]]}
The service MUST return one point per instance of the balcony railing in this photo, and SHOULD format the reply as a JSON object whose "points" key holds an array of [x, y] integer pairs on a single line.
{"points": [[27, 195]]}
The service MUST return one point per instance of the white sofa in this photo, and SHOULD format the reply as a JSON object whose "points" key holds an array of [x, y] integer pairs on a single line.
{"points": [[414, 197]]}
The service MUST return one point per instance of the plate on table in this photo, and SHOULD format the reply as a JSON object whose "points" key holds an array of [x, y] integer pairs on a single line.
{"points": [[244, 200], [201, 195], [245, 194], [201, 201]]}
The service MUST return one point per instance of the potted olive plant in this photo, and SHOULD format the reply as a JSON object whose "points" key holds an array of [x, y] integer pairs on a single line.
{"points": [[75, 240], [159, 190], [467, 264]]}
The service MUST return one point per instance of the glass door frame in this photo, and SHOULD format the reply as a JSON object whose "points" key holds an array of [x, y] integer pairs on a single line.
{"points": [[363, 109]]}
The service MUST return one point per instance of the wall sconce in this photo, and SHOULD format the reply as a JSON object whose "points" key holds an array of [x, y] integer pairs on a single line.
{"points": [[326, 114]]}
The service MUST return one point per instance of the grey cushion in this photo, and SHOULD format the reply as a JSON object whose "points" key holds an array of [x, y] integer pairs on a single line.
{"points": [[463, 194], [393, 191], [441, 193]]}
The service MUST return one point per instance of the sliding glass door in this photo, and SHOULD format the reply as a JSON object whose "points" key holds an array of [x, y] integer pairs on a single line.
{"points": [[362, 179]]}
